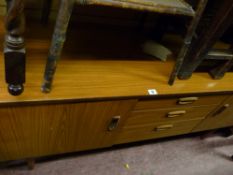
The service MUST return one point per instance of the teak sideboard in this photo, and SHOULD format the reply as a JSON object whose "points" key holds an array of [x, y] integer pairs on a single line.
{"points": [[35, 130], [98, 102]]}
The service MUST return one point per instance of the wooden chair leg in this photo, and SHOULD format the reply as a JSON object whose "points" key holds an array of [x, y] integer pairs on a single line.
{"points": [[217, 25], [31, 164], [187, 41], [220, 71], [46, 11], [58, 40]]}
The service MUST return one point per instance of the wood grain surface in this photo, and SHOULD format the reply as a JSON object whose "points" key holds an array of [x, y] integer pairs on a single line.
{"points": [[35, 131], [145, 132], [221, 117], [154, 116], [100, 62]]}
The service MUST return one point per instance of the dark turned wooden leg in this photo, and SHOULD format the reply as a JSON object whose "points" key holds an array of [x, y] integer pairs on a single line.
{"points": [[187, 40], [58, 40], [14, 51], [218, 25], [31, 164], [220, 71], [46, 11]]}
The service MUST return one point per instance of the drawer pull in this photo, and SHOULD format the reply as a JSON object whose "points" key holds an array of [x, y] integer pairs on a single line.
{"points": [[175, 114], [187, 100], [114, 123], [221, 110], [163, 127]]}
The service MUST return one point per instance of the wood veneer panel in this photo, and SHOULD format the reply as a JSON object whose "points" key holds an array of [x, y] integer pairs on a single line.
{"points": [[153, 116], [219, 118], [174, 102], [146, 132], [35, 131]]}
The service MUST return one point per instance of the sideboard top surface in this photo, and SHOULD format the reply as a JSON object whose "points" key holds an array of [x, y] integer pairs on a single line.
{"points": [[84, 75]]}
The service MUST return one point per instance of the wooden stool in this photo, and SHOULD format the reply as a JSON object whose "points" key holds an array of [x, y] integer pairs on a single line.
{"points": [[173, 7]]}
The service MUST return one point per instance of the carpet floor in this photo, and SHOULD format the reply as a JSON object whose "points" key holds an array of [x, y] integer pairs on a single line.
{"points": [[187, 155]]}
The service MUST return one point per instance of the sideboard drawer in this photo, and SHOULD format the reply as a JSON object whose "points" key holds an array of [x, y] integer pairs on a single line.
{"points": [[179, 102], [145, 132], [167, 115]]}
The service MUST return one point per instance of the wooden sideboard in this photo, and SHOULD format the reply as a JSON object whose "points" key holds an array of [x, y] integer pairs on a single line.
{"points": [[100, 99], [30, 131]]}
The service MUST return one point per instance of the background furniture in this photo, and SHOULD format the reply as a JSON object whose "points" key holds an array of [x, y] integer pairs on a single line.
{"points": [[211, 29], [170, 7]]}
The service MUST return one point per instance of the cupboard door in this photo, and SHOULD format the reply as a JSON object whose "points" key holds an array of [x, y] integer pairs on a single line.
{"points": [[219, 118], [100, 123], [33, 131]]}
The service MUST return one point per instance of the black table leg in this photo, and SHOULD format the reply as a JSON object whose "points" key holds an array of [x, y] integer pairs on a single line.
{"points": [[14, 50]]}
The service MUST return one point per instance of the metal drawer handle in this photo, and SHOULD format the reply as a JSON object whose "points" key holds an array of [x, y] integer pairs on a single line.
{"points": [[174, 114], [163, 127], [114, 123], [221, 110], [187, 100]]}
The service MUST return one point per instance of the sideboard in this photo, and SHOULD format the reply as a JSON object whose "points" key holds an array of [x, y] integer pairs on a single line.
{"points": [[100, 100], [30, 131]]}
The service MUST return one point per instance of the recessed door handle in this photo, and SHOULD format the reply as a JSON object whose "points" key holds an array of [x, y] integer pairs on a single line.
{"points": [[221, 110], [114, 123]]}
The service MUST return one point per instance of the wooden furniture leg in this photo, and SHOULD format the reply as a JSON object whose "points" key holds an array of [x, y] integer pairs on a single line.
{"points": [[14, 51], [46, 11], [219, 72], [222, 21], [31, 164], [58, 40], [187, 40]]}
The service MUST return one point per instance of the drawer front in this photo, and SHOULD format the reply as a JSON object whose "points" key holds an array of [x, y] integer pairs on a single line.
{"points": [[155, 131], [179, 102], [167, 115]]}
